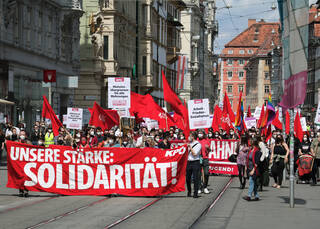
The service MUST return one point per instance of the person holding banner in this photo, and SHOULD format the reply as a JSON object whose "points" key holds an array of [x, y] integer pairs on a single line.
{"points": [[193, 165], [252, 169]]}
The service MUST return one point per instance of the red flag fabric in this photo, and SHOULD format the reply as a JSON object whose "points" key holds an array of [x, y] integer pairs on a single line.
{"points": [[145, 107], [287, 123], [227, 107], [276, 122], [249, 112], [217, 115], [171, 97], [47, 112], [268, 133], [298, 132], [261, 117], [105, 119]]}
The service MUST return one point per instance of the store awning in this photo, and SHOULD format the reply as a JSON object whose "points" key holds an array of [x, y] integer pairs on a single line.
{"points": [[3, 101]]}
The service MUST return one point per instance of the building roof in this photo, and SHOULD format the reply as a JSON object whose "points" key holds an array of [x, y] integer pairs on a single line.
{"points": [[260, 36]]}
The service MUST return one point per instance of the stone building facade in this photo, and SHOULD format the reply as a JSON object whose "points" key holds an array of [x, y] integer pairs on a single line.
{"points": [[34, 36]]}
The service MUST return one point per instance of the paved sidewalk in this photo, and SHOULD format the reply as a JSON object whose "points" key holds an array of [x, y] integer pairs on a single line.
{"points": [[272, 211]]}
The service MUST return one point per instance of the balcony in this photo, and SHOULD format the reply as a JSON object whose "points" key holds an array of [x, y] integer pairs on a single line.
{"points": [[172, 55]]}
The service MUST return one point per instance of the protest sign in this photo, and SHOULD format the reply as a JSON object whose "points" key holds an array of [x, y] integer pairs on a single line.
{"points": [[257, 112], [303, 123], [96, 171], [119, 92], [220, 151], [199, 116], [64, 119], [74, 118], [250, 122]]}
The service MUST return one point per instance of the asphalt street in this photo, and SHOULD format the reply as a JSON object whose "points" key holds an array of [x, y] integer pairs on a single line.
{"points": [[45, 210]]}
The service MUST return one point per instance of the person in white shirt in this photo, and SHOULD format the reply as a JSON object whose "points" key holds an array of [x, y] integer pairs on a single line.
{"points": [[193, 165]]}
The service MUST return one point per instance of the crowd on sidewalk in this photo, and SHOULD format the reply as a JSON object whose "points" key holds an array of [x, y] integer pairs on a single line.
{"points": [[256, 158]]}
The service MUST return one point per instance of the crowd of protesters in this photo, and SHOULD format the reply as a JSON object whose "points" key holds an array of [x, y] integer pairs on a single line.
{"points": [[256, 158]]}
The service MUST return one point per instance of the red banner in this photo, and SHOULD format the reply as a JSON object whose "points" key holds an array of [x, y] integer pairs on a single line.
{"points": [[177, 143], [220, 151], [96, 171]]}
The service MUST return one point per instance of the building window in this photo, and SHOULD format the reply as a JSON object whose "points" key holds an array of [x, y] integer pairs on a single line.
{"points": [[250, 51], [105, 47], [231, 102], [230, 51], [229, 88], [255, 40], [240, 87], [241, 51], [266, 75], [266, 89], [144, 65], [241, 75], [230, 61], [241, 62], [229, 74], [268, 62]]}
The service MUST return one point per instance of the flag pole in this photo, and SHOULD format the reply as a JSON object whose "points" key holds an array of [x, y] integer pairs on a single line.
{"points": [[291, 111]]}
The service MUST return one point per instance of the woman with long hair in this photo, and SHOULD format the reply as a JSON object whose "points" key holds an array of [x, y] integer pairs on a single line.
{"points": [[279, 156], [242, 152], [252, 169]]}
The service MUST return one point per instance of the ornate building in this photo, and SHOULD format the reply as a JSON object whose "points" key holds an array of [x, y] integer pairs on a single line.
{"points": [[34, 36]]}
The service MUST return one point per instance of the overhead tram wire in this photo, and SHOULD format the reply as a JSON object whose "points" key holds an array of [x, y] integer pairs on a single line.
{"points": [[236, 28]]}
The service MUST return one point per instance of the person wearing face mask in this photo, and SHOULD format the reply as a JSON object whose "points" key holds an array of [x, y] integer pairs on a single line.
{"points": [[14, 135], [193, 164], [92, 139], [210, 135], [304, 149], [125, 143], [279, 156], [49, 137], [216, 136], [83, 143], [99, 135], [60, 141], [41, 142], [232, 135], [204, 163], [156, 141], [181, 136], [315, 151]]}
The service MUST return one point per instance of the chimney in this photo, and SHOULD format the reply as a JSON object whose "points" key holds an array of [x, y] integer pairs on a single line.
{"points": [[251, 22]]}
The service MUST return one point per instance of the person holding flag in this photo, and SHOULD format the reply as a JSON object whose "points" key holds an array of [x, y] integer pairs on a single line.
{"points": [[239, 121]]}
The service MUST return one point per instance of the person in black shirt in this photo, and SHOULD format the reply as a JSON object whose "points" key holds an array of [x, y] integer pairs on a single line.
{"points": [[35, 135], [165, 144]]}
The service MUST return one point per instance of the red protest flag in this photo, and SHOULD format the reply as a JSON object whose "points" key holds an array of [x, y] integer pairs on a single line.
{"points": [[217, 115], [105, 119], [249, 112], [268, 133], [47, 112], [227, 107], [287, 123], [171, 97], [49, 76], [276, 122], [298, 132], [261, 117]]}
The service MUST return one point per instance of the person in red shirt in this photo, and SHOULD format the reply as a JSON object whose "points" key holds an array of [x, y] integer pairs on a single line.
{"points": [[205, 149], [92, 139], [83, 143]]}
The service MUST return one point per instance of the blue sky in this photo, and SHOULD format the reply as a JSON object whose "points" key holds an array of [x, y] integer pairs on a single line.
{"points": [[235, 20]]}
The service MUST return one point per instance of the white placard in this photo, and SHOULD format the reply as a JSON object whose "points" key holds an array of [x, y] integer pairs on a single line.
{"points": [[250, 122], [38, 118], [199, 116], [257, 112], [74, 118], [303, 123], [124, 113], [119, 92], [65, 119], [151, 124]]}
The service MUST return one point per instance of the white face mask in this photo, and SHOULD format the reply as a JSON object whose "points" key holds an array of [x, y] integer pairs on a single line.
{"points": [[22, 137], [49, 130], [305, 139], [200, 135], [110, 141], [40, 142], [92, 133], [78, 135], [77, 139], [125, 143], [98, 133], [210, 135]]}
